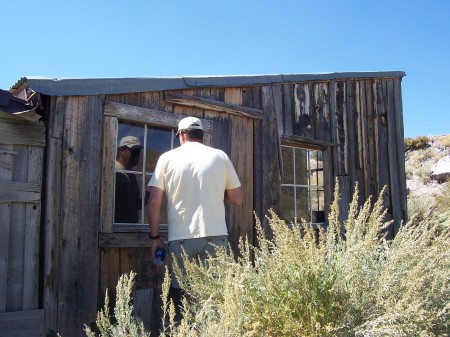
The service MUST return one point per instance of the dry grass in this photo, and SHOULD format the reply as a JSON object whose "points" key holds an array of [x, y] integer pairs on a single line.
{"points": [[303, 284]]}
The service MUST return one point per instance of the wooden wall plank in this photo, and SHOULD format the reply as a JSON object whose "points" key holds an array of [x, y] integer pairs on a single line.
{"points": [[351, 133], [321, 116], [270, 159], [341, 153], [303, 110], [400, 144], [288, 105], [52, 213], [6, 163], [22, 134], [110, 130], [15, 285], [32, 233], [371, 148], [394, 177], [80, 226], [19, 192], [22, 324]]}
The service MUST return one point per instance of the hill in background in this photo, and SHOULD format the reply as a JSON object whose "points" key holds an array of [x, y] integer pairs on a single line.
{"points": [[422, 155]]}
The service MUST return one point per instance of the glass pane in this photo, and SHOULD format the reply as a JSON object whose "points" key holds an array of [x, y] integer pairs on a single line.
{"points": [[287, 204], [134, 160], [158, 141], [317, 205], [288, 165], [127, 205], [301, 167], [303, 204], [163, 215]]}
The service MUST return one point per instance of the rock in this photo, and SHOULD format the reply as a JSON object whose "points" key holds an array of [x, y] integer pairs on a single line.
{"points": [[441, 170]]}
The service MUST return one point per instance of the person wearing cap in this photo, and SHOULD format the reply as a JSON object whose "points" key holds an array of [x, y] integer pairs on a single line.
{"points": [[128, 194], [198, 181]]}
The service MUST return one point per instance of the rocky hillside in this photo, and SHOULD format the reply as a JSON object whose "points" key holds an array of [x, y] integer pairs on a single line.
{"points": [[427, 164]]}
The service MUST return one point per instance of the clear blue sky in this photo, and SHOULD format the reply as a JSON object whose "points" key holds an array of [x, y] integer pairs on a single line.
{"points": [[147, 38]]}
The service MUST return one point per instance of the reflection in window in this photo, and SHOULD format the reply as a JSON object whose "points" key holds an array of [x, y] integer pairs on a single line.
{"points": [[302, 189], [138, 150]]}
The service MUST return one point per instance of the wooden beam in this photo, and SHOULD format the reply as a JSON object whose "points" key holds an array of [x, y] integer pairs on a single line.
{"points": [[19, 192], [133, 113], [22, 323], [311, 144], [210, 104], [126, 240]]}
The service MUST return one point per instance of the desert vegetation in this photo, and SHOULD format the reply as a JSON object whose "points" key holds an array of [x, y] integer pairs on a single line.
{"points": [[345, 281]]}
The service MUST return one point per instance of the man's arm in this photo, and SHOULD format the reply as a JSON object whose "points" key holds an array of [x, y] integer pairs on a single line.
{"points": [[154, 212], [233, 196]]}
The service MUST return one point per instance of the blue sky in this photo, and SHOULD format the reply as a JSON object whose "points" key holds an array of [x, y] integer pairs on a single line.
{"points": [[146, 38]]}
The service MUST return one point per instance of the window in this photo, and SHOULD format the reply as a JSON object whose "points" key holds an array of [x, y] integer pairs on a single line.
{"points": [[131, 180], [302, 188]]}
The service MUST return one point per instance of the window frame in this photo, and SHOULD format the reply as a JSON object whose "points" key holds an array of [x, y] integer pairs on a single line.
{"points": [[301, 143], [113, 114]]}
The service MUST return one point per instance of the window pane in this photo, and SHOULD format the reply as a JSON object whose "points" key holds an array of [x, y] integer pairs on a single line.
{"points": [[301, 167], [127, 129], [288, 165], [127, 207], [303, 204], [158, 141], [163, 215], [287, 200]]}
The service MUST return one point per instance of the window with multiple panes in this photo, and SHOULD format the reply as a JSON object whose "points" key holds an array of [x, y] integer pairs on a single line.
{"points": [[302, 188], [154, 141]]}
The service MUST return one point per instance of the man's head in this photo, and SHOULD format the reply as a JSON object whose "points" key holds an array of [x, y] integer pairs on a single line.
{"points": [[129, 151], [191, 128]]}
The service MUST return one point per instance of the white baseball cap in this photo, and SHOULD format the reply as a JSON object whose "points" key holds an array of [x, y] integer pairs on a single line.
{"points": [[131, 142], [190, 123]]}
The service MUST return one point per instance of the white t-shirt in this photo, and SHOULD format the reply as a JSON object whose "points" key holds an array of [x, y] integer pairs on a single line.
{"points": [[195, 177]]}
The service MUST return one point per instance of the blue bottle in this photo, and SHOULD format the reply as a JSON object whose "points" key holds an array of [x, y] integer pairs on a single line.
{"points": [[159, 257]]}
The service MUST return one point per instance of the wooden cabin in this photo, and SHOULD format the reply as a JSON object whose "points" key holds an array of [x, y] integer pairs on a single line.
{"points": [[290, 138]]}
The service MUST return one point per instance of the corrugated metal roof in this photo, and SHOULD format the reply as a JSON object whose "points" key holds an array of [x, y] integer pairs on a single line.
{"points": [[97, 86]]}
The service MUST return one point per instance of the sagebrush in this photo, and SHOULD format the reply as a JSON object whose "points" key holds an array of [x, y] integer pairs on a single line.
{"points": [[345, 281]]}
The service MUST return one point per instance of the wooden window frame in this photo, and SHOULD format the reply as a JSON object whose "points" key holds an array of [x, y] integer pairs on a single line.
{"points": [[301, 143], [113, 114]]}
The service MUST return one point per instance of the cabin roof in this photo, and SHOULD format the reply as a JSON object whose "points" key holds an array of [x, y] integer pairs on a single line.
{"points": [[98, 86]]}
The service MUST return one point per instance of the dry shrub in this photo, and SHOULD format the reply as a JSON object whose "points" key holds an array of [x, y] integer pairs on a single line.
{"points": [[307, 283], [303, 283], [418, 143]]}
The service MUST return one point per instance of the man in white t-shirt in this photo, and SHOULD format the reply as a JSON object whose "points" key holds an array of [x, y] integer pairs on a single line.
{"points": [[198, 181]]}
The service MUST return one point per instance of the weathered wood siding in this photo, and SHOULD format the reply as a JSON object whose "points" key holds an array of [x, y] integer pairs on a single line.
{"points": [[356, 122], [22, 144]]}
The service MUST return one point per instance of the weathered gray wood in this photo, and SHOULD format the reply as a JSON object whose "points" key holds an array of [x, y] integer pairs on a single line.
{"points": [[303, 110], [14, 296], [210, 104], [341, 164], [19, 192], [132, 113], [22, 324], [321, 119], [32, 233], [270, 157], [6, 163], [400, 136], [372, 154], [351, 133], [21, 132], [288, 104], [53, 211], [122, 240], [77, 297], [110, 129], [312, 144], [394, 169]]}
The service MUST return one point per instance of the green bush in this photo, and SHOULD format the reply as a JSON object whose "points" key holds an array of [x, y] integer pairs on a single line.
{"points": [[418, 143], [304, 283]]}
